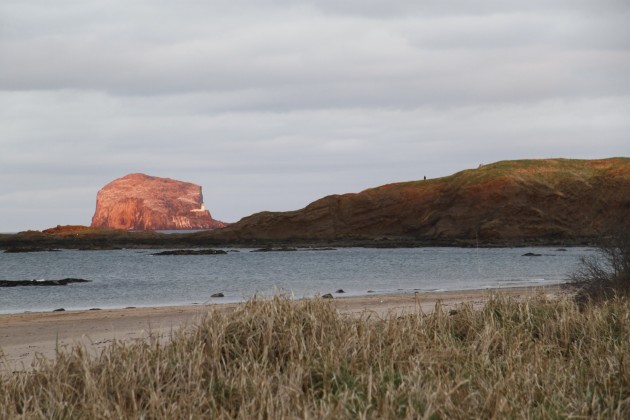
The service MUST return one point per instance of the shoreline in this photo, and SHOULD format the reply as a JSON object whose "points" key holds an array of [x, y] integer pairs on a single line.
{"points": [[98, 239], [27, 336], [337, 296]]}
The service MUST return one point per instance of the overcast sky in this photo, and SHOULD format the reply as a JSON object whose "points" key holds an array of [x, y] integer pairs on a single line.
{"points": [[271, 104]]}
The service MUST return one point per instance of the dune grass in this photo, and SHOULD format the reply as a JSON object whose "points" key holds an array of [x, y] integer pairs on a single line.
{"points": [[285, 359]]}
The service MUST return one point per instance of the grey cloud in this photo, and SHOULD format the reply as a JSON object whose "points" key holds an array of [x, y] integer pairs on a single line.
{"points": [[404, 80], [313, 61], [380, 8], [112, 141]]}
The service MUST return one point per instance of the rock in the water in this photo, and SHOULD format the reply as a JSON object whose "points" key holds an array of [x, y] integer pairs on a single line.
{"points": [[192, 252], [327, 296], [531, 254], [340, 291], [59, 310], [62, 282], [217, 295], [142, 202], [282, 249], [29, 249]]}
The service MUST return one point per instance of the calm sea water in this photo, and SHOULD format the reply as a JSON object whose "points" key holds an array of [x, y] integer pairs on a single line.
{"points": [[136, 278]]}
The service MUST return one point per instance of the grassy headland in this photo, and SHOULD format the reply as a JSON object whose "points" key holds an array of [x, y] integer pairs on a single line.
{"points": [[536, 202]]}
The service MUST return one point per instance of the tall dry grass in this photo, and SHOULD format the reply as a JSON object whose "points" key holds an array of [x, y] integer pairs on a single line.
{"points": [[283, 359]]}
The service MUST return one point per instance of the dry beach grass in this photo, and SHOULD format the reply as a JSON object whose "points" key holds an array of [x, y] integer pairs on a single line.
{"points": [[24, 336], [532, 358]]}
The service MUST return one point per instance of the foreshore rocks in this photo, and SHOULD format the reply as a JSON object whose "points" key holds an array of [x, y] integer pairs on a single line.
{"points": [[282, 249], [142, 202], [29, 249], [193, 252], [62, 282], [289, 249]]}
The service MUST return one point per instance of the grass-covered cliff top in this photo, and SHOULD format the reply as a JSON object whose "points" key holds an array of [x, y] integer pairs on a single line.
{"points": [[525, 169]]}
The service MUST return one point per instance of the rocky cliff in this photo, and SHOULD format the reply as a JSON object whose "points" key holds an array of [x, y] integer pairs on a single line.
{"points": [[141, 202], [548, 199]]}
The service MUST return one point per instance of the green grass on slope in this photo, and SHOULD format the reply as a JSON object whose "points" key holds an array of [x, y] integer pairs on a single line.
{"points": [[524, 169]]}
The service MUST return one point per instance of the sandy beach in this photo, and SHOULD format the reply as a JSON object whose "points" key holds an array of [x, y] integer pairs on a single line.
{"points": [[27, 336]]}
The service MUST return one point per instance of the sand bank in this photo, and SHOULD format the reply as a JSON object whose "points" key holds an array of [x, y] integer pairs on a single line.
{"points": [[23, 337]]}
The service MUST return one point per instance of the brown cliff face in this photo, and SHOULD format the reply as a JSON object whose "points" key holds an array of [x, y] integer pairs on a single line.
{"points": [[501, 202], [141, 202]]}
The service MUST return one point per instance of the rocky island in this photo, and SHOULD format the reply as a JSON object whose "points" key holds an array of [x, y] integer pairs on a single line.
{"points": [[142, 202]]}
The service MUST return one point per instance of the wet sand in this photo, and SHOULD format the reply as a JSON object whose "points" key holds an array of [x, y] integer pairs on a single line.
{"points": [[27, 336]]}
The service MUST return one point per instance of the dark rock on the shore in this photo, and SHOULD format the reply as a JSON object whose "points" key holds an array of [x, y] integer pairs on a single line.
{"points": [[95, 309], [192, 252], [34, 249], [100, 248], [62, 282], [59, 310], [327, 296], [282, 249], [340, 291], [531, 254], [371, 291], [217, 295]]}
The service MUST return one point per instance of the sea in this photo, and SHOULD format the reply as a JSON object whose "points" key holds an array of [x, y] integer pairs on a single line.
{"points": [[136, 277]]}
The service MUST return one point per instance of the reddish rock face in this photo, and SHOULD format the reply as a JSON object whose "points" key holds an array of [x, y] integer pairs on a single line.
{"points": [[141, 202]]}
